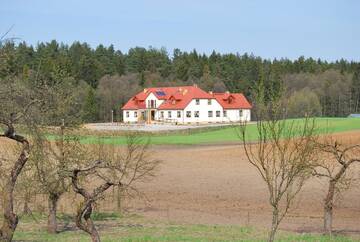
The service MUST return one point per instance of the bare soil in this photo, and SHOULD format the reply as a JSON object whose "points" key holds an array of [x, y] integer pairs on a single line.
{"points": [[216, 185]]}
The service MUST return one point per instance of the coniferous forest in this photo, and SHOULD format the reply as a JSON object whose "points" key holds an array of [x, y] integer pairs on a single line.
{"points": [[103, 78]]}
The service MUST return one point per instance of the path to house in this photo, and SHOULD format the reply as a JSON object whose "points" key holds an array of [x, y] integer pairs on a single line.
{"points": [[149, 127]]}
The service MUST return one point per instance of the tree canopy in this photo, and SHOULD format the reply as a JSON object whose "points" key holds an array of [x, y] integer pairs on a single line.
{"points": [[93, 72]]}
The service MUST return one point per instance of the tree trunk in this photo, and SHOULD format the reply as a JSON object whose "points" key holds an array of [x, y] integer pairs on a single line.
{"points": [[328, 208], [88, 226], [52, 204], [93, 232], [26, 209], [118, 201], [274, 224], [10, 218]]}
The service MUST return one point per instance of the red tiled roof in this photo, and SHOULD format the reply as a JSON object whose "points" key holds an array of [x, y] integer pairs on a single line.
{"points": [[179, 97], [232, 100], [182, 96]]}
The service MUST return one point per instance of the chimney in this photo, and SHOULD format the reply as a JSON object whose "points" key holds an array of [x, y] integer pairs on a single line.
{"points": [[145, 90], [227, 92], [185, 91], [195, 85], [210, 92]]}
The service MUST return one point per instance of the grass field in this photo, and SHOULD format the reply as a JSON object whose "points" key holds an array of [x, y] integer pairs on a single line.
{"points": [[228, 134], [136, 228]]}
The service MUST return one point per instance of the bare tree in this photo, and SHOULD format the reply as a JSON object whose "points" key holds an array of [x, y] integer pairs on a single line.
{"points": [[113, 167], [51, 161], [334, 165], [282, 154], [114, 92], [17, 102]]}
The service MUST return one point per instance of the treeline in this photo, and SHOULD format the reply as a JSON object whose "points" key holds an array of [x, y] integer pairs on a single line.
{"points": [[104, 78]]}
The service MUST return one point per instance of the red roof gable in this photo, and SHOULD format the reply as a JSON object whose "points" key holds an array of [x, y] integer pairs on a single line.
{"points": [[179, 97]]}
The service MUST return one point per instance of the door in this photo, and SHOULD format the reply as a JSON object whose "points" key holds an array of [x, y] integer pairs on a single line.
{"points": [[152, 114]]}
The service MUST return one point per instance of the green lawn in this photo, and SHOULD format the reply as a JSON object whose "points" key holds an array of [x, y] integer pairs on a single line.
{"points": [[228, 134], [136, 228]]}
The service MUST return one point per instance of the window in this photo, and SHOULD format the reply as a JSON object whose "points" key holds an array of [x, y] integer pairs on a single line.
{"points": [[217, 114], [241, 112], [210, 114], [197, 101], [209, 101], [162, 114], [152, 103], [188, 114], [127, 114], [224, 113], [179, 114], [196, 114], [169, 114], [135, 114]]}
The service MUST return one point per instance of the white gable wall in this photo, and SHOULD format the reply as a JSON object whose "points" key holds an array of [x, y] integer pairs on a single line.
{"points": [[152, 97]]}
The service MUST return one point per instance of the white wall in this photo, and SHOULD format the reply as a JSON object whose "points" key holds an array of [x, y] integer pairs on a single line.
{"points": [[203, 109], [233, 115], [174, 118], [131, 117]]}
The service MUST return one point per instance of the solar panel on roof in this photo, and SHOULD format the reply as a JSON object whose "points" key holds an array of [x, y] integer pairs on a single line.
{"points": [[160, 93]]}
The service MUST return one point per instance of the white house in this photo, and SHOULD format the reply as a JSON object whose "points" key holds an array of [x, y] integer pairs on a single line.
{"points": [[186, 104]]}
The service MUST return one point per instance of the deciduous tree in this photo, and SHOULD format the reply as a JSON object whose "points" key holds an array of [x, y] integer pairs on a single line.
{"points": [[334, 164], [112, 167], [282, 154]]}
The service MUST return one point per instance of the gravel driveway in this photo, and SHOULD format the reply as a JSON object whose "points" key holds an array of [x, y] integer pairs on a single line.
{"points": [[148, 127]]}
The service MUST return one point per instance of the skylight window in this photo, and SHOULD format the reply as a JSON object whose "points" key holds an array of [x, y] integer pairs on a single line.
{"points": [[160, 93]]}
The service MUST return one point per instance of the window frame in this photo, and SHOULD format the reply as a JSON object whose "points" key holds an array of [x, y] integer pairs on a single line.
{"points": [[209, 101], [169, 114], [210, 114], [197, 101], [224, 113], [196, 114], [127, 114], [188, 114], [178, 114], [217, 114]]}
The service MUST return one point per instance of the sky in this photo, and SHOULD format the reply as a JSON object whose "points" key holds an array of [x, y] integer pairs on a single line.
{"points": [[326, 29]]}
